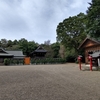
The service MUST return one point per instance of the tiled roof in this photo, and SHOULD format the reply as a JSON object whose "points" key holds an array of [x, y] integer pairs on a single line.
{"points": [[40, 49], [96, 54], [15, 53], [5, 54], [92, 39]]}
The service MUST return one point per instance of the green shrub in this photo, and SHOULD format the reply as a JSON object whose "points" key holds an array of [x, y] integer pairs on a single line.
{"points": [[17, 62], [70, 58], [6, 61], [48, 61], [11, 61]]}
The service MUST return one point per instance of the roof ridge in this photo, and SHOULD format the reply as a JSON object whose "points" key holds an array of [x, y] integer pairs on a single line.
{"points": [[92, 39]]}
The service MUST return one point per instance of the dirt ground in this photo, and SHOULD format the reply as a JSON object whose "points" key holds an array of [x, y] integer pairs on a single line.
{"points": [[48, 82]]}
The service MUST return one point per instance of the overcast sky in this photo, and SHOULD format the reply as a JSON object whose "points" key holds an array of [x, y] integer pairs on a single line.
{"points": [[36, 19]]}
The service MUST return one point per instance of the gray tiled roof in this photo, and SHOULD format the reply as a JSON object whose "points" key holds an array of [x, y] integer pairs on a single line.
{"points": [[40, 49], [16, 53], [96, 54], [5, 54]]}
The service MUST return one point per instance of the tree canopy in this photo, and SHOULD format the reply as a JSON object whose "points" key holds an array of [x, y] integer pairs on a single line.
{"points": [[29, 46], [93, 17], [71, 31], [26, 46], [55, 47]]}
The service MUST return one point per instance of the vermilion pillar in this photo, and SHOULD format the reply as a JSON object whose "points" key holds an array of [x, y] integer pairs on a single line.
{"points": [[90, 58]]}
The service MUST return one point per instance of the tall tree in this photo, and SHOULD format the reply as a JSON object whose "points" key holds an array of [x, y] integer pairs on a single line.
{"points": [[49, 53], [55, 47], [15, 42], [27, 47], [4, 43], [71, 31], [23, 45], [93, 15], [9, 44], [31, 47]]}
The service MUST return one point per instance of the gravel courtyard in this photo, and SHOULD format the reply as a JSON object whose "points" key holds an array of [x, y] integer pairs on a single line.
{"points": [[48, 82]]}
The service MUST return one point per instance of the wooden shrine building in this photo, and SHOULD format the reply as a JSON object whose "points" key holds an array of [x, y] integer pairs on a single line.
{"points": [[92, 48], [40, 52], [10, 54]]}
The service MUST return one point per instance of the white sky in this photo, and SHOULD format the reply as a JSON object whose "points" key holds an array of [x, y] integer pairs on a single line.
{"points": [[36, 20]]}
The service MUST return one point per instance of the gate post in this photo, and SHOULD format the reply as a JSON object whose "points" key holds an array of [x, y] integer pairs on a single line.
{"points": [[90, 58]]}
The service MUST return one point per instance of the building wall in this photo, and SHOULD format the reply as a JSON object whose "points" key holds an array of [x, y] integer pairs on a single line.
{"points": [[89, 49], [88, 43]]}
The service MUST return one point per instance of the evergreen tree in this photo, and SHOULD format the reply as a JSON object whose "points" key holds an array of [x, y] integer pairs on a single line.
{"points": [[93, 16], [71, 31]]}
